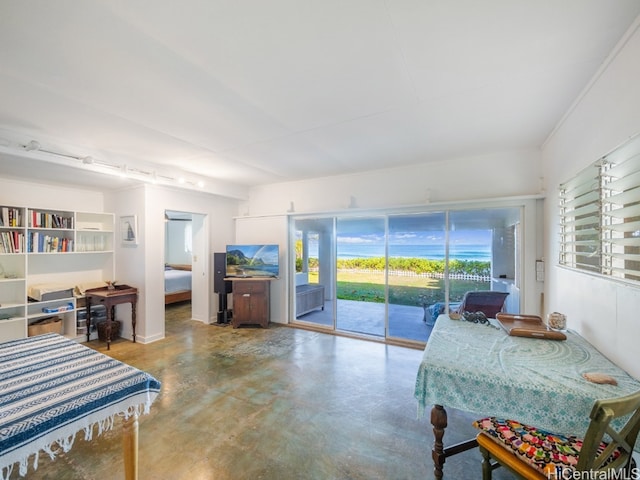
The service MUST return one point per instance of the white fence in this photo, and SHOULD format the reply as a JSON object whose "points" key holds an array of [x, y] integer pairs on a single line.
{"points": [[406, 273]]}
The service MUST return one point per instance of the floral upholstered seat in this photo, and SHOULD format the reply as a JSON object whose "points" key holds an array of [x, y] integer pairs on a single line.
{"points": [[534, 453], [545, 451]]}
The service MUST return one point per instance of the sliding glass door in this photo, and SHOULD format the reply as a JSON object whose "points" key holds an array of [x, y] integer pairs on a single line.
{"points": [[390, 276], [314, 278], [417, 263], [361, 275]]}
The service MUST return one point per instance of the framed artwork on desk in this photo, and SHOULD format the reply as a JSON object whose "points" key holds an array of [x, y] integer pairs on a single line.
{"points": [[129, 230]]}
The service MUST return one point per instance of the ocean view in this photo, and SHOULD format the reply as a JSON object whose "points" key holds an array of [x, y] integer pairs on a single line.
{"points": [[432, 252]]}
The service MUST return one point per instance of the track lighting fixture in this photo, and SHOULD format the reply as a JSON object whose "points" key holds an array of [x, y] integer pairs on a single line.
{"points": [[145, 173]]}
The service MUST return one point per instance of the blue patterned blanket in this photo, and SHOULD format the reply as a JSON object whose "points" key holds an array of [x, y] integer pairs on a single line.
{"points": [[52, 387]]}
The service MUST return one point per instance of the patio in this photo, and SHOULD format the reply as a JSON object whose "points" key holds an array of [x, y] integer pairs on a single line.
{"points": [[367, 318]]}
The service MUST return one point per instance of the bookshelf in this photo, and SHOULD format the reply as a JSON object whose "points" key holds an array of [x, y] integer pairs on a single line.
{"points": [[44, 247]]}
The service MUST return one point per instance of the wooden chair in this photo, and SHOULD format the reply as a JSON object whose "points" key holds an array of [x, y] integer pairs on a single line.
{"points": [[532, 453], [488, 302]]}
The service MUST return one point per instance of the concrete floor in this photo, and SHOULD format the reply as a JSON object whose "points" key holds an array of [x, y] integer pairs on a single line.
{"points": [[276, 403], [405, 322]]}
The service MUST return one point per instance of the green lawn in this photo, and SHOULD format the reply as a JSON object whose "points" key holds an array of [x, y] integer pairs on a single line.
{"points": [[369, 287]]}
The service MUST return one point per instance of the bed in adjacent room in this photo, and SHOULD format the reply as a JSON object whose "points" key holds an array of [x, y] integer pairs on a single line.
{"points": [[177, 283]]}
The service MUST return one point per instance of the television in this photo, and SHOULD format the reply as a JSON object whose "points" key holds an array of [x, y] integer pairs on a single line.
{"points": [[249, 261]]}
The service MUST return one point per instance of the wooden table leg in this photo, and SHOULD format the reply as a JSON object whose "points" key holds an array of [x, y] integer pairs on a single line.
{"points": [[111, 316], [88, 316], [130, 447], [133, 319], [439, 422]]}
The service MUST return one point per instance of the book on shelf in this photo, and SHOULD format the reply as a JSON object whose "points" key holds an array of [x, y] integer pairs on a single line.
{"points": [[49, 220], [5, 243], [12, 242], [38, 242], [11, 217], [18, 241]]}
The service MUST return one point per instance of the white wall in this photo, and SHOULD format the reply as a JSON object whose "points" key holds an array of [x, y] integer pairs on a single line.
{"points": [[479, 177], [174, 243], [219, 214], [271, 229], [130, 261], [23, 193], [608, 113]]}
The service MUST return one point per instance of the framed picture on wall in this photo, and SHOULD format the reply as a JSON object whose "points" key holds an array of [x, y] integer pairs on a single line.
{"points": [[129, 230]]}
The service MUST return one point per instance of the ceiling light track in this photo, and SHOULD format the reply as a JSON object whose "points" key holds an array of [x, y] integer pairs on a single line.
{"points": [[148, 175]]}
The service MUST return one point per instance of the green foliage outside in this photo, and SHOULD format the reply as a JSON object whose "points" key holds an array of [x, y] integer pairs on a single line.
{"points": [[369, 287], [362, 279], [299, 256], [417, 265], [404, 294]]}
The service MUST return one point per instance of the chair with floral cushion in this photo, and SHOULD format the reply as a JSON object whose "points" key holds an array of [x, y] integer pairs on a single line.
{"points": [[533, 453]]}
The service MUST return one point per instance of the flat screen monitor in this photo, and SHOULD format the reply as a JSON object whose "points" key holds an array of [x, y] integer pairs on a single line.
{"points": [[256, 260]]}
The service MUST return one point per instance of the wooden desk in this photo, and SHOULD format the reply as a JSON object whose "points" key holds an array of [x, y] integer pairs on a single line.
{"points": [[53, 388], [480, 369], [111, 298]]}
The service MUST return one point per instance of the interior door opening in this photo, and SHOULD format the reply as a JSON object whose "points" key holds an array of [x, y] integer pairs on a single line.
{"points": [[186, 262]]}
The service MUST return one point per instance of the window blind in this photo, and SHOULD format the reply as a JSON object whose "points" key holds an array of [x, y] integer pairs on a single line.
{"points": [[600, 215], [580, 208], [621, 213]]}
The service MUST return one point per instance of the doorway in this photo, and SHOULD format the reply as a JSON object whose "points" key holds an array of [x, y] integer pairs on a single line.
{"points": [[361, 309], [186, 262]]}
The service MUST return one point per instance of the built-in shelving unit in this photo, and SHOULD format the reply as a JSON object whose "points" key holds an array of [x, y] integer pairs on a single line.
{"points": [[45, 247]]}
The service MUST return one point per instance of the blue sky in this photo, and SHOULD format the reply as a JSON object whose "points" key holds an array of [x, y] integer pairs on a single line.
{"points": [[461, 237]]}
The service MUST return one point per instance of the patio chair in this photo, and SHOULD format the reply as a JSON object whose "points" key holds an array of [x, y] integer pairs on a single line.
{"points": [[532, 453], [488, 302]]}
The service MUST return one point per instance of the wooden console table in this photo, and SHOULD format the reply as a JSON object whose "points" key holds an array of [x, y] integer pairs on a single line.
{"points": [[110, 298], [251, 304]]}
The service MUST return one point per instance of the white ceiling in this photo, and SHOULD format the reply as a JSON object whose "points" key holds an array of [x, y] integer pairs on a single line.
{"points": [[251, 92]]}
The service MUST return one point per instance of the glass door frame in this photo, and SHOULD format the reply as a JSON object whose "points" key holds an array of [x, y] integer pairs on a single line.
{"points": [[523, 230], [355, 316]]}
